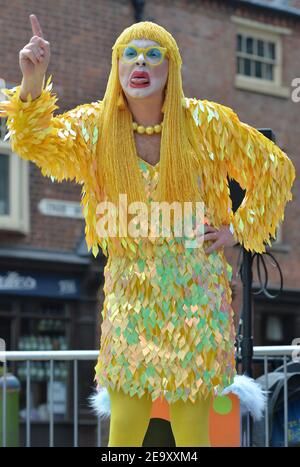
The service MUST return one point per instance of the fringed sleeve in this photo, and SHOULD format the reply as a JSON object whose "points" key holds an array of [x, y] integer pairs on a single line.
{"points": [[58, 145], [263, 170]]}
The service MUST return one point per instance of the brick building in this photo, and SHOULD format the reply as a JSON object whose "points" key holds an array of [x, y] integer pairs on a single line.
{"points": [[243, 54]]}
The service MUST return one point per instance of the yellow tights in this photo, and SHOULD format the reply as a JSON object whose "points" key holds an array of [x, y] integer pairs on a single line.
{"points": [[130, 418]]}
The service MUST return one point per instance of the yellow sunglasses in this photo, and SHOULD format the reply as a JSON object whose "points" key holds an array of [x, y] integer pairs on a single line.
{"points": [[153, 55]]}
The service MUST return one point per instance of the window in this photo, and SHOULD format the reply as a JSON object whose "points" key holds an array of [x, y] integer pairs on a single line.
{"points": [[278, 326], [274, 331], [259, 57], [256, 57], [14, 185]]}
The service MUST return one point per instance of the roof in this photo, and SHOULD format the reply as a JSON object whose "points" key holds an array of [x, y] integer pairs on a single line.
{"points": [[287, 7]]}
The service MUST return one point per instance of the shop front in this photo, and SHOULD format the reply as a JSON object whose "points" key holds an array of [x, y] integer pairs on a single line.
{"points": [[52, 308]]}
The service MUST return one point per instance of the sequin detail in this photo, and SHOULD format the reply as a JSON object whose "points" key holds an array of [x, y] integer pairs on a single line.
{"points": [[167, 325]]}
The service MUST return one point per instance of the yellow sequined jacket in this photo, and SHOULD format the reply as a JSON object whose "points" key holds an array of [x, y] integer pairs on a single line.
{"points": [[64, 148]]}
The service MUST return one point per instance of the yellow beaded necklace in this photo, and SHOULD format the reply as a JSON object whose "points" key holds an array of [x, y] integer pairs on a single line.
{"points": [[149, 130]]}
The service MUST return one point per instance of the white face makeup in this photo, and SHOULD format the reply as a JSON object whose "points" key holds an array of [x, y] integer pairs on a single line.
{"points": [[155, 76]]}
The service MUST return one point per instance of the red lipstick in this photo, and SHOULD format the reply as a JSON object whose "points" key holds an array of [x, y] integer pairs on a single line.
{"points": [[139, 79]]}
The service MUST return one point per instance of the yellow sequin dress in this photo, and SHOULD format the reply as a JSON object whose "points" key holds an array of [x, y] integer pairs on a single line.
{"points": [[167, 321]]}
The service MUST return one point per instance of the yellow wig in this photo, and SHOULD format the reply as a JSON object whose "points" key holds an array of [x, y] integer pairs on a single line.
{"points": [[118, 170]]}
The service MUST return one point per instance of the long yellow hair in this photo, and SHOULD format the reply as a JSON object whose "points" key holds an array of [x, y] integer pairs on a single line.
{"points": [[118, 170]]}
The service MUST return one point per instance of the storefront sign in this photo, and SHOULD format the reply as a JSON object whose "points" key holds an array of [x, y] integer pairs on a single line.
{"points": [[37, 284]]}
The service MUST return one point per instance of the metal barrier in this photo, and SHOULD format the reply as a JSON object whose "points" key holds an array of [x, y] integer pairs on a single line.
{"points": [[279, 353], [266, 353]]}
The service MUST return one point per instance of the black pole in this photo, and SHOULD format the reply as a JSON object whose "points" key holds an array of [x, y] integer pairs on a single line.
{"points": [[247, 339], [138, 6]]}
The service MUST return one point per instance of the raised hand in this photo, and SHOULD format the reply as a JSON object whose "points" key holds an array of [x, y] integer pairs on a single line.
{"points": [[34, 58]]}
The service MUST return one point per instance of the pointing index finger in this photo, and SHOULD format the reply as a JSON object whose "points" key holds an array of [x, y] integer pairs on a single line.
{"points": [[35, 26]]}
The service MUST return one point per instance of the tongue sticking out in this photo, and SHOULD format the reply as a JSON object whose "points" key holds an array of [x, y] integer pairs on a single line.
{"points": [[140, 80]]}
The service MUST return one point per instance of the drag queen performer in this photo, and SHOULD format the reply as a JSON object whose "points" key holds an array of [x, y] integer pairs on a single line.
{"points": [[167, 326]]}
